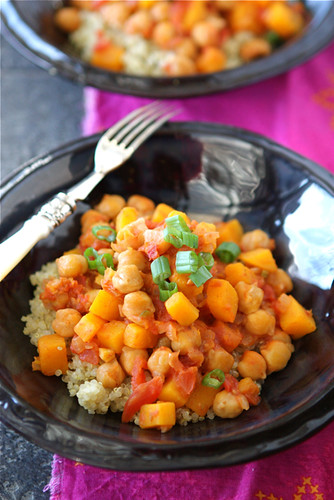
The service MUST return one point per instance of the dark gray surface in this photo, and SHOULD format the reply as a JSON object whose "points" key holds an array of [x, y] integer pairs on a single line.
{"points": [[38, 113]]}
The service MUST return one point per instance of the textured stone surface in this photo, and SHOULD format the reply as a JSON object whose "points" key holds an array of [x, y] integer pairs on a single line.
{"points": [[38, 113]]}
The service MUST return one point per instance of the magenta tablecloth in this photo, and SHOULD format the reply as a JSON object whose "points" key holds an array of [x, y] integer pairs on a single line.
{"points": [[297, 110]]}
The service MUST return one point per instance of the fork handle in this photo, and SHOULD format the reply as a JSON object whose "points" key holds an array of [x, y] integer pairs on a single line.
{"points": [[38, 227]]}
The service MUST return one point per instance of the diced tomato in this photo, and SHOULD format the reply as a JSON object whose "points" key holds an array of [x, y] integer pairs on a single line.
{"points": [[145, 393], [228, 336], [87, 351], [138, 372], [60, 293], [185, 378], [269, 293], [231, 383]]}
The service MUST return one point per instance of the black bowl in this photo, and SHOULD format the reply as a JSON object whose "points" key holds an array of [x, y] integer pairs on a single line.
{"points": [[28, 26], [220, 172]]}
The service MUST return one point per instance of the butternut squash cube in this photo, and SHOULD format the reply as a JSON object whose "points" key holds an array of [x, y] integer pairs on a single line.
{"points": [[171, 392], [138, 337], [106, 306], [157, 415], [111, 335], [161, 212], [88, 326], [229, 231], [293, 317], [201, 399], [222, 300], [52, 354], [125, 217], [260, 257], [181, 309]]}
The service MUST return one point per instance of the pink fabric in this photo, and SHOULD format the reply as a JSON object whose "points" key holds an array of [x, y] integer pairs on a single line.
{"points": [[296, 110]]}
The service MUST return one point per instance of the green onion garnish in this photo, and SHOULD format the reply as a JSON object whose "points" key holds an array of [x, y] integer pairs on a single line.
{"points": [[206, 259], [110, 238], [167, 289], [228, 251], [174, 239], [177, 222], [100, 266], [200, 276], [190, 240], [186, 262], [160, 269], [214, 379], [97, 261], [274, 39]]}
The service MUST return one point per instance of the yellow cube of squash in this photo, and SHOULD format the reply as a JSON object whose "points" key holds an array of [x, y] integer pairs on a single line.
{"points": [[52, 354], [181, 309], [88, 326], [125, 217], [157, 415], [260, 257], [106, 306], [138, 337], [171, 392], [161, 212], [201, 399], [293, 317], [111, 335]]}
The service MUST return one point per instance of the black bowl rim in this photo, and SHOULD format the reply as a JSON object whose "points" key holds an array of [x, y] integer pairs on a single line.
{"points": [[282, 433], [55, 61]]}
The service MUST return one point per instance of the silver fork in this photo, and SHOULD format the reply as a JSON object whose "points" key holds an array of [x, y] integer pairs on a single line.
{"points": [[115, 146]]}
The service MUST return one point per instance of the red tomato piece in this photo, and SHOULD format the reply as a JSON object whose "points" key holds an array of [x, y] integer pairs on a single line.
{"points": [[143, 394]]}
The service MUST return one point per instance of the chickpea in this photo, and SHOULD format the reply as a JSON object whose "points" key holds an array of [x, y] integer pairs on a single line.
{"points": [[115, 14], [180, 65], [71, 265], [250, 297], [276, 355], [187, 339], [158, 362], [139, 23], [128, 279], [91, 218], [227, 405], [142, 204], [111, 205], [283, 337], [131, 256], [128, 357], [255, 239], [187, 48], [252, 365], [137, 307], [163, 33], [65, 321], [205, 33], [254, 49], [260, 323], [211, 59], [110, 374], [160, 11], [280, 281], [67, 19], [219, 358]]}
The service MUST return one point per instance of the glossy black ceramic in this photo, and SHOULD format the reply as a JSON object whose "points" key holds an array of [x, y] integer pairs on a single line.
{"points": [[28, 26], [219, 172]]}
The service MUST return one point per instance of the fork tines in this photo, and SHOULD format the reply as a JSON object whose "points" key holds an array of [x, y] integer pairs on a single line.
{"points": [[138, 125]]}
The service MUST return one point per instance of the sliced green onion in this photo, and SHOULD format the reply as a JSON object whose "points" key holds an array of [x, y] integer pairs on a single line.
{"points": [[167, 289], [190, 240], [206, 259], [228, 251], [177, 222], [160, 269], [274, 39], [95, 260], [200, 276], [100, 266], [111, 237], [215, 379], [91, 256], [174, 239], [186, 262]]}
